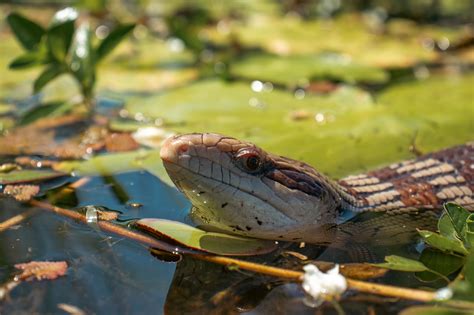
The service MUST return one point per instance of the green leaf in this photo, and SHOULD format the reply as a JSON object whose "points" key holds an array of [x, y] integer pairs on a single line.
{"points": [[112, 40], [52, 109], [59, 38], [26, 31], [217, 243], [439, 264], [82, 61], [458, 216], [399, 263], [48, 74], [445, 226], [443, 243], [294, 70], [25, 61], [26, 176], [470, 231]]}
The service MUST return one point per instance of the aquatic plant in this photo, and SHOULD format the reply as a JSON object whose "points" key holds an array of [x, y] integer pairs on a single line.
{"points": [[62, 48]]}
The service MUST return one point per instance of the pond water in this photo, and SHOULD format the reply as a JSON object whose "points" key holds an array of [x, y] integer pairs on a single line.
{"points": [[346, 88]]}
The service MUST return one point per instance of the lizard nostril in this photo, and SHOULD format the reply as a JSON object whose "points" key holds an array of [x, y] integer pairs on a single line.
{"points": [[183, 148]]}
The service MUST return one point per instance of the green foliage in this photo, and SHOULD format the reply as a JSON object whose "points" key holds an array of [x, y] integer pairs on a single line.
{"points": [[448, 253], [63, 49]]}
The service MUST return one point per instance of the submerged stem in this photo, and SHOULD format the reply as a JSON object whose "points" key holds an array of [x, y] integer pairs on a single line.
{"points": [[293, 275]]}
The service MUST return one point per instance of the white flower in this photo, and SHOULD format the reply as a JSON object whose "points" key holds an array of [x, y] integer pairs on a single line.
{"points": [[320, 286], [443, 294]]}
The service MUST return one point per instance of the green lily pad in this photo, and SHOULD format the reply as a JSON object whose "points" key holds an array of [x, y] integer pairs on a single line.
{"points": [[294, 70], [28, 176], [349, 137], [349, 34], [211, 242], [110, 164], [443, 243], [399, 263]]}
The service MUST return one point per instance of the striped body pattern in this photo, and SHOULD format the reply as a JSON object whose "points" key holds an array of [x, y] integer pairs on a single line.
{"points": [[425, 182], [237, 187]]}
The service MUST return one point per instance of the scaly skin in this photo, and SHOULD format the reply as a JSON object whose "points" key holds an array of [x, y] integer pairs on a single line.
{"points": [[237, 187]]}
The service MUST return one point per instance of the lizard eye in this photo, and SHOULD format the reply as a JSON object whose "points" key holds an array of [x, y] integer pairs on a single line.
{"points": [[249, 160]]}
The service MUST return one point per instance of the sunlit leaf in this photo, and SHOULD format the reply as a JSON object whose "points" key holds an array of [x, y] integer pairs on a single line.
{"points": [[443, 243], [112, 40], [399, 263], [26, 60], [26, 176], [49, 73], [438, 263], [294, 70], [458, 216], [217, 243], [27, 32], [110, 164]]}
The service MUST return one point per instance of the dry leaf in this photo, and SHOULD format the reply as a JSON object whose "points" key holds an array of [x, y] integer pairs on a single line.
{"points": [[41, 270], [107, 215], [120, 142], [21, 192]]}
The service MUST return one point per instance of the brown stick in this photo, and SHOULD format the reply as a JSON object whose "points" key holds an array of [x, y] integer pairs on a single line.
{"points": [[16, 219], [362, 286]]}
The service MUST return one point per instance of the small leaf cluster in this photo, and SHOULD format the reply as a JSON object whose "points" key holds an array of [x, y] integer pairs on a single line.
{"points": [[448, 252], [61, 48]]}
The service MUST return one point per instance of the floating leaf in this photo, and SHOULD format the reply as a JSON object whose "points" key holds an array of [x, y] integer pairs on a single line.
{"points": [[439, 264], [112, 40], [26, 176], [41, 270], [458, 216], [21, 192], [217, 243], [399, 263], [443, 243], [27, 32], [294, 70]]}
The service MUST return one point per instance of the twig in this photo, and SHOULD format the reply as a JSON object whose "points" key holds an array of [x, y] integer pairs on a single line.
{"points": [[5, 225], [362, 286]]}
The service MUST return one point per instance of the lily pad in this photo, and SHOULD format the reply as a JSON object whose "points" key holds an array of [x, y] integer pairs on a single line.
{"points": [[28, 176], [349, 34], [351, 132], [294, 70], [211, 242], [110, 164]]}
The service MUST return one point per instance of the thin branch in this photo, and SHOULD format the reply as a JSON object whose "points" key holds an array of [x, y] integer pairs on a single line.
{"points": [[5, 225], [362, 286]]}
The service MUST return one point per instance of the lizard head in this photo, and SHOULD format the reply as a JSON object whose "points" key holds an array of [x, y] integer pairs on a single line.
{"points": [[238, 187]]}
